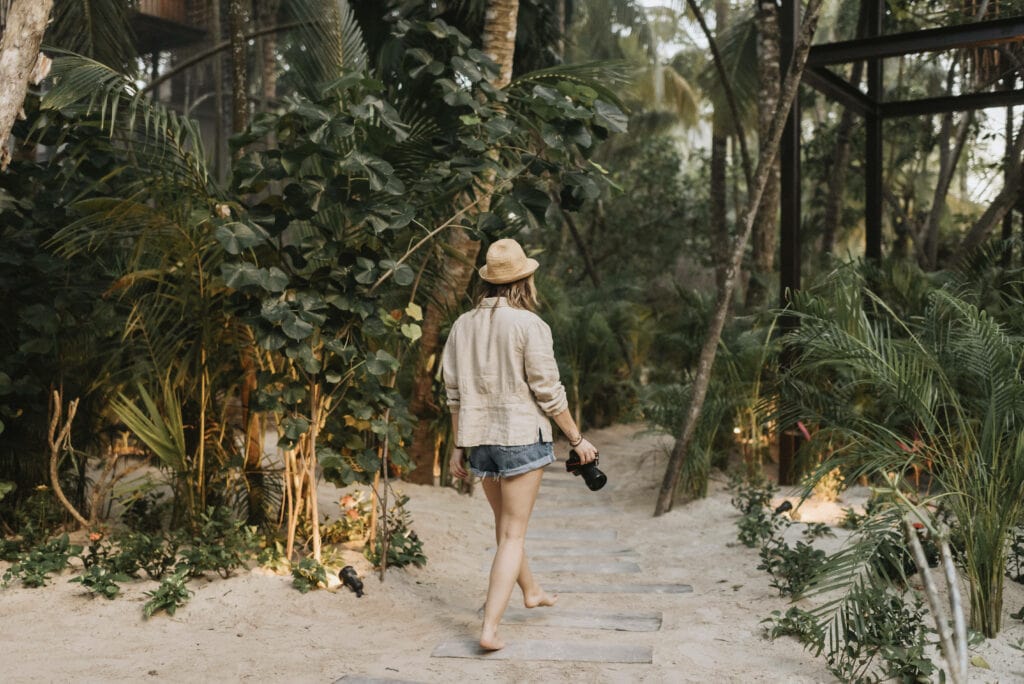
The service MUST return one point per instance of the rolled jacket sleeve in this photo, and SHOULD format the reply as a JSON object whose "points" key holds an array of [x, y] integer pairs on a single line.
{"points": [[450, 373], [542, 370]]}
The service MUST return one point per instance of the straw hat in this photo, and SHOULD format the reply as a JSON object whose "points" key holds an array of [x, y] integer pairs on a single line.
{"points": [[507, 262]]}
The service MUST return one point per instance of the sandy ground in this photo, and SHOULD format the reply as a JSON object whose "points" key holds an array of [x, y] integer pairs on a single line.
{"points": [[256, 627]]}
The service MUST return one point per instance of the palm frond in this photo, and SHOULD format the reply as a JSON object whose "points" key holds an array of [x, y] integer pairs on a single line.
{"points": [[606, 78], [738, 46], [328, 43], [160, 427], [98, 29], [168, 145]]}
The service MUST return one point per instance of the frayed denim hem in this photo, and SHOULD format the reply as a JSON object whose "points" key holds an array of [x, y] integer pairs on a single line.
{"points": [[519, 470]]}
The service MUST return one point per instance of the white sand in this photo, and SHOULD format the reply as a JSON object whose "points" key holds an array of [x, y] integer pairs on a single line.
{"points": [[256, 627]]}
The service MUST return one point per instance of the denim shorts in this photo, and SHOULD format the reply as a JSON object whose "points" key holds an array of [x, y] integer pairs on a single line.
{"points": [[490, 460]]}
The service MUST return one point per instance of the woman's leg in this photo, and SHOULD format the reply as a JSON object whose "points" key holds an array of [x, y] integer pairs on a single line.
{"points": [[533, 595], [517, 497]]}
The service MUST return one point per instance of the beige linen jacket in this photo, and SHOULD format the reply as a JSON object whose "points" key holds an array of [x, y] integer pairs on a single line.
{"points": [[500, 375]]}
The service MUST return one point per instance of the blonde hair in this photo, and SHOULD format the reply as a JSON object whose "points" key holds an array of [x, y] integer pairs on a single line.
{"points": [[520, 294]]}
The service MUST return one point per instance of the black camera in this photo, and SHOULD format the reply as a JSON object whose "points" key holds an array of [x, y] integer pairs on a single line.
{"points": [[594, 478]]}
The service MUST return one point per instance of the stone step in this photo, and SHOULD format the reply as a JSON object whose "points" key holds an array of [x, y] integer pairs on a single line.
{"points": [[573, 511], [571, 535], [584, 619], [537, 550], [618, 588], [546, 649], [612, 567], [360, 679]]}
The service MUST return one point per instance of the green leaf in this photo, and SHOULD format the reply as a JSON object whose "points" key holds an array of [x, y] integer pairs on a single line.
{"points": [[404, 275], [414, 311], [294, 427], [610, 117], [6, 488], [296, 328], [381, 362], [412, 331], [236, 237]]}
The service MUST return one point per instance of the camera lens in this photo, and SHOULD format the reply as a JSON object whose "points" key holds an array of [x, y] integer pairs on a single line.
{"points": [[594, 478]]}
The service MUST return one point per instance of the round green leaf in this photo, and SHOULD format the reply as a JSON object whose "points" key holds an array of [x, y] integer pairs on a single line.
{"points": [[412, 331], [404, 275], [236, 237]]}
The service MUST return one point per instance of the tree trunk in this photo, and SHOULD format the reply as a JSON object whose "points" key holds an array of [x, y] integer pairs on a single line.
{"points": [[237, 17], [1003, 202], [766, 225], [766, 159], [499, 43], [499, 36], [268, 13], [218, 92], [719, 161], [562, 18], [949, 156], [19, 52]]}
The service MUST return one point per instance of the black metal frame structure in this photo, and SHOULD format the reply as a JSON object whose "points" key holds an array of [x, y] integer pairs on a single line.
{"points": [[872, 48]]}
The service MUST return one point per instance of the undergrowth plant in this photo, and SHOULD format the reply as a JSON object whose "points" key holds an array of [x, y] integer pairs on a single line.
{"points": [[101, 581], [353, 523], [170, 595], [403, 546], [791, 567], [751, 496], [797, 623], [220, 544], [308, 574], [34, 567], [1015, 556]]}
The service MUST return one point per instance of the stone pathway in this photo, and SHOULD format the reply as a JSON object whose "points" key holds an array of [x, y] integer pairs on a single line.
{"points": [[563, 539]]}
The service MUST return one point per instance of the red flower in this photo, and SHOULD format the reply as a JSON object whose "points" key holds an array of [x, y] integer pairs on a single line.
{"points": [[352, 514], [348, 501], [95, 536], [918, 526]]}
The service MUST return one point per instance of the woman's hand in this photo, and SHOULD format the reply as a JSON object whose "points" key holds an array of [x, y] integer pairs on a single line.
{"points": [[585, 450], [457, 464]]}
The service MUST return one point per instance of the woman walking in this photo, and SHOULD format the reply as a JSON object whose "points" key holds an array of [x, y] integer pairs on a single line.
{"points": [[503, 390]]}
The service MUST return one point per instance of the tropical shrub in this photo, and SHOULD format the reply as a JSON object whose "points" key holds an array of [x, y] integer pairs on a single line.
{"points": [[101, 581], [308, 574], [885, 639], [398, 538], [943, 392], [757, 523], [220, 544], [791, 568], [170, 595], [34, 567]]}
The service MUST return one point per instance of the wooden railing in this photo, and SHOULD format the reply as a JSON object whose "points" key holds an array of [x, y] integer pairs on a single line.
{"points": [[171, 10]]}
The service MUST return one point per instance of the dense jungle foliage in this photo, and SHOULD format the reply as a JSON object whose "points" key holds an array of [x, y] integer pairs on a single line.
{"points": [[185, 275]]}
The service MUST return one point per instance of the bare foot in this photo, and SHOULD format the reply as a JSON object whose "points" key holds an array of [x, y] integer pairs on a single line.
{"points": [[541, 598], [489, 641]]}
